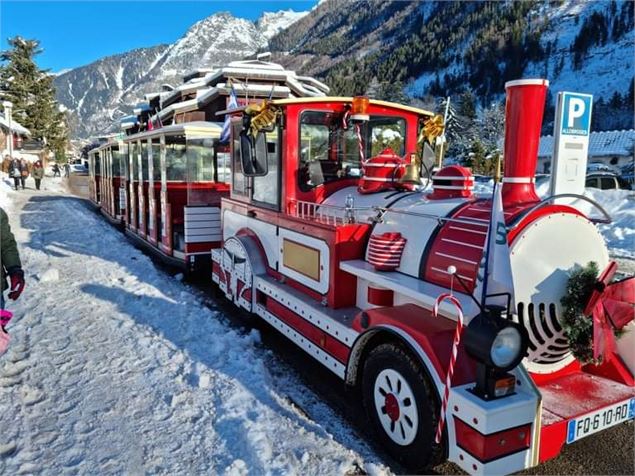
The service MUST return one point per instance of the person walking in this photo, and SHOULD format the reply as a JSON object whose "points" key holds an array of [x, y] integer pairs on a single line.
{"points": [[38, 173], [56, 170], [11, 266], [15, 171], [24, 172], [67, 170]]}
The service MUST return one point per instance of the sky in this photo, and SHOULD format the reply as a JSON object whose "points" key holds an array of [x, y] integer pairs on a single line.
{"points": [[75, 33]]}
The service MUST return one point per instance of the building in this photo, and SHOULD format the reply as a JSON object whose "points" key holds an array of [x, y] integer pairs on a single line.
{"points": [[19, 132], [610, 148]]}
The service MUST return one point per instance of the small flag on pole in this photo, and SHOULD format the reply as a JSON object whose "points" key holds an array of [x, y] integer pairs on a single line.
{"points": [[233, 104], [495, 270]]}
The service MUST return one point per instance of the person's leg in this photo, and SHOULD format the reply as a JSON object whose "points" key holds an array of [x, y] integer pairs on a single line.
{"points": [[16, 182], [37, 183], [23, 180]]}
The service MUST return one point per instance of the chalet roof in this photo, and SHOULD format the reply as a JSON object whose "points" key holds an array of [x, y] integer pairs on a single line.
{"points": [[604, 143], [15, 126]]}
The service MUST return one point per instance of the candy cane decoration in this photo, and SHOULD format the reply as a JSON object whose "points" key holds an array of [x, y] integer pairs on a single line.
{"points": [[358, 130], [455, 345]]}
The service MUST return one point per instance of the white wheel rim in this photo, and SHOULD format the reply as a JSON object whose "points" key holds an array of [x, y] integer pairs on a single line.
{"points": [[400, 423]]}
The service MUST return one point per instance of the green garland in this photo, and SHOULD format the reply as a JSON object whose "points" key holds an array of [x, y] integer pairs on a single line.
{"points": [[578, 327]]}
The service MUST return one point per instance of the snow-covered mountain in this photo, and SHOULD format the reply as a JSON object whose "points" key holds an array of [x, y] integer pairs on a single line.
{"points": [[271, 24], [98, 94]]}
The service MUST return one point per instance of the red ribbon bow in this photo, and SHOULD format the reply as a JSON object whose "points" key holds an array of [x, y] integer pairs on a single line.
{"points": [[612, 306]]}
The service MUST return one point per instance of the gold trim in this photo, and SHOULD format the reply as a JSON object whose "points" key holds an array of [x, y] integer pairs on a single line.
{"points": [[326, 99], [301, 259]]}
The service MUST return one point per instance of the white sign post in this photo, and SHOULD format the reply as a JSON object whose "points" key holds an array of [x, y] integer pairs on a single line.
{"points": [[571, 144]]}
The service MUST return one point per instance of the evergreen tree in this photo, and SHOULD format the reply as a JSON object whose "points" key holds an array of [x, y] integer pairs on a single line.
{"points": [[31, 91]]}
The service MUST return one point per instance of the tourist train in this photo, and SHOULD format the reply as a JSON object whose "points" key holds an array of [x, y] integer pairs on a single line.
{"points": [[315, 219]]}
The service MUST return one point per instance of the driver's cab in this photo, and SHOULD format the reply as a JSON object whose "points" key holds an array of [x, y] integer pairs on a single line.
{"points": [[292, 152]]}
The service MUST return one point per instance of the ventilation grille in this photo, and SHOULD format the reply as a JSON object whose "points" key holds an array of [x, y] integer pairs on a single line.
{"points": [[548, 343]]}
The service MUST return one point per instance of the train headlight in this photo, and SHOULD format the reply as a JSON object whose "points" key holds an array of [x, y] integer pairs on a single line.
{"points": [[498, 345], [507, 347]]}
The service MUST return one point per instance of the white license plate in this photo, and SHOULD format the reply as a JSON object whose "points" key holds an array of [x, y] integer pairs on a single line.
{"points": [[599, 420]]}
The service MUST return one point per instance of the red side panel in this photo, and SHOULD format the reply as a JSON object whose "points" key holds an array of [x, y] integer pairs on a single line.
{"points": [[433, 334]]}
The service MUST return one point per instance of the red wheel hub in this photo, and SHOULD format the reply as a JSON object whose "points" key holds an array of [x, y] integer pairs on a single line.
{"points": [[392, 407]]}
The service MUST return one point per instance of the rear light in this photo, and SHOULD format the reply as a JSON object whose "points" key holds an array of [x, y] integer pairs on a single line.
{"points": [[486, 448]]}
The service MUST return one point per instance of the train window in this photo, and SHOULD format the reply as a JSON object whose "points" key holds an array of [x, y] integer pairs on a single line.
{"points": [[239, 181], [176, 158], [156, 160], [134, 150], [200, 160], [123, 160], [144, 160], [223, 171], [266, 187], [97, 164], [115, 161], [330, 151]]}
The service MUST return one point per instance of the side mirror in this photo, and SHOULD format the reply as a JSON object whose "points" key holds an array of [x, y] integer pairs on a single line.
{"points": [[253, 154]]}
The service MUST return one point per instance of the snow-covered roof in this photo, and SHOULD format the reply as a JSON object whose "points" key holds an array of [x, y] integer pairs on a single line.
{"points": [[15, 126], [601, 144], [190, 129]]}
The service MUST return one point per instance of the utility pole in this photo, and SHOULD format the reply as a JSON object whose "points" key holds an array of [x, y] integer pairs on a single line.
{"points": [[8, 107]]}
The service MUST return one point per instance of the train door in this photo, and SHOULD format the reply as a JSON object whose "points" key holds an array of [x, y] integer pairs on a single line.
{"points": [[122, 176]]}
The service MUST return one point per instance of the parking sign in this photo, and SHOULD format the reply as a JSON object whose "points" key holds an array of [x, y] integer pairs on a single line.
{"points": [[576, 114], [571, 144]]}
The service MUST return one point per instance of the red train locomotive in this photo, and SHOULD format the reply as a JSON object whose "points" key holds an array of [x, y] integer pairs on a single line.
{"points": [[325, 238]]}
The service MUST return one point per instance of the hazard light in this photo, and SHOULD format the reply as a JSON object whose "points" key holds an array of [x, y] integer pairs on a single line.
{"points": [[359, 110]]}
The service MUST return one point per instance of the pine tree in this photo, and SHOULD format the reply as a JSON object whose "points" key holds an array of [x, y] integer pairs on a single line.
{"points": [[31, 91]]}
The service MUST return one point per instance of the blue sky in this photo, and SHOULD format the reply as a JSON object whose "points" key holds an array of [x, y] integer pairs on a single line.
{"points": [[75, 33]]}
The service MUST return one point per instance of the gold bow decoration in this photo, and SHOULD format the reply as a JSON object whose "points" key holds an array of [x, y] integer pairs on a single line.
{"points": [[264, 116], [432, 129]]}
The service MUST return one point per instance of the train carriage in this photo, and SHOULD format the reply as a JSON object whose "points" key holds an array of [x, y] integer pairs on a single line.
{"points": [[327, 238], [178, 175]]}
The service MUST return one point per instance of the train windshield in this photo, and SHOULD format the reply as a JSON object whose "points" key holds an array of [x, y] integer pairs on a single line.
{"points": [[333, 148]]}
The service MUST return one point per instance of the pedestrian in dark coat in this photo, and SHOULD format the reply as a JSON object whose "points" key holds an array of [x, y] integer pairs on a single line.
{"points": [[56, 170], [38, 173], [24, 172], [10, 264], [15, 171]]}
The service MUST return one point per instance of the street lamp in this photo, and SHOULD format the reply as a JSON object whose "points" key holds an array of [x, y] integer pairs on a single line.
{"points": [[8, 107]]}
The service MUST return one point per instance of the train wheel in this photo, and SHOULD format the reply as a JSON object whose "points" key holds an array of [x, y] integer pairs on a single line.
{"points": [[400, 404]]}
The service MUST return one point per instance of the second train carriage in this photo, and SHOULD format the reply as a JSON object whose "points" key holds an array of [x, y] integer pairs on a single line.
{"points": [[176, 177]]}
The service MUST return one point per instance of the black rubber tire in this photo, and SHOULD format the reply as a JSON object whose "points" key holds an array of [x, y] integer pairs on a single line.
{"points": [[422, 453]]}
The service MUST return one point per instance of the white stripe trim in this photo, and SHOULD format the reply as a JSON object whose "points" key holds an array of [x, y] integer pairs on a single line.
{"points": [[447, 240], [468, 230], [439, 270], [455, 257], [527, 82], [519, 179], [453, 187], [377, 179]]}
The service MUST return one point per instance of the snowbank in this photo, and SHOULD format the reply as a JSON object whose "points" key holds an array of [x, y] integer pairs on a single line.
{"points": [[116, 367]]}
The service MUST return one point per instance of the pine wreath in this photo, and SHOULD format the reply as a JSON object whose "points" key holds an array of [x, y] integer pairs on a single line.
{"points": [[578, 327]]}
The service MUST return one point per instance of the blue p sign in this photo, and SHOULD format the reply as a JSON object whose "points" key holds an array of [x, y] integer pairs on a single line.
{"points": [[576, 112]]}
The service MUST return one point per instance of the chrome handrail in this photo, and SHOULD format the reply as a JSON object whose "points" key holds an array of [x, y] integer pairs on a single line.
{"points": [[607, 218]]}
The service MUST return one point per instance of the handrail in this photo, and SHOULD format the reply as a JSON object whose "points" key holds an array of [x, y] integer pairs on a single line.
{"points": [[607, 218], [467, 221]]}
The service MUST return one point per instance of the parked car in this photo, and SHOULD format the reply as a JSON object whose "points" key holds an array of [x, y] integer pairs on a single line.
{"points": [[605, 180]]}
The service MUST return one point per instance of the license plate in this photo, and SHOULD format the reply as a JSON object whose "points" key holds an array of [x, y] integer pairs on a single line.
{"points": [[599, 420]]}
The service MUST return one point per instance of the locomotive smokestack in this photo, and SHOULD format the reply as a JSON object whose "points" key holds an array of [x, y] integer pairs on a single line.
{"points": [[523, 120]]}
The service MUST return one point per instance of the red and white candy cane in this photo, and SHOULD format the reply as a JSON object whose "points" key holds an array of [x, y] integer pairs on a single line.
{"points": [[455, 346], [360, 142]]}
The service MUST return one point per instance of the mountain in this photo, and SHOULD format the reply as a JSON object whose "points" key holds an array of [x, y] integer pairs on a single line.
{"points": [[98, 94], [406, 51], [414, 50]]}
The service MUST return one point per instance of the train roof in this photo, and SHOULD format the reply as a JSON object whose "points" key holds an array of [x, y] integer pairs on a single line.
{"points": [[376, 102], [192, 129]]}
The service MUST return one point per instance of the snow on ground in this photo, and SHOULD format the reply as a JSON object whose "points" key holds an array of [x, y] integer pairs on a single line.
{"points": [[115, 367]]}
